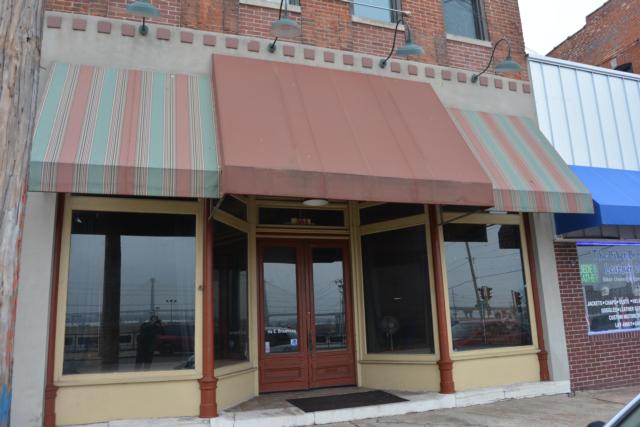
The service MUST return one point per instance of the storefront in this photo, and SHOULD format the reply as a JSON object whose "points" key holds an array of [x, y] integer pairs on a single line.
{"points": [[274, 222], [597, 254]]}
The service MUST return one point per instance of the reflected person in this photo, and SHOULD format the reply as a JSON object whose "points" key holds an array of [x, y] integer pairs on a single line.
{"points": [[147, 338]]}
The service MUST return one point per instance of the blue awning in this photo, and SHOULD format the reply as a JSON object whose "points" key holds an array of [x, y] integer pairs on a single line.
{"points": [[616, 199]]}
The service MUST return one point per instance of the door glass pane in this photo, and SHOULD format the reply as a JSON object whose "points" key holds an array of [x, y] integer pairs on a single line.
{"points": [[328, 297], [280, 300]]}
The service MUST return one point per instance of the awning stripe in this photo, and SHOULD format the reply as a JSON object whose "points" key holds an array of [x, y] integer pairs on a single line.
{"points": [[128, 132], [526, 172]]}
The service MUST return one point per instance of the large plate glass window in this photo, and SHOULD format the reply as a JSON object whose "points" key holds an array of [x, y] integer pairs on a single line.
{"points": [[464, 18], [610, 277], [131, 292], [488, 296], [230, 295], [396, 292]]}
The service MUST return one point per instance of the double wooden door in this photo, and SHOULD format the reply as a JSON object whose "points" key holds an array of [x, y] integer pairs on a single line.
{"points": [[306, 330]]}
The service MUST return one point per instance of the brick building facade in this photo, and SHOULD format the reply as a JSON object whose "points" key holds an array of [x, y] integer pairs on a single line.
{"points": [[329, 24], [610, 38], [595, 361]]}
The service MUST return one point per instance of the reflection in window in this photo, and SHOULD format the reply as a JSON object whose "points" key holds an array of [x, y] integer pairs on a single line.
{"points": [[380, 11], [464, 18], [487, 291], [130, 293], [230, 295], [328, 298], [280, 300], [396, 291]]}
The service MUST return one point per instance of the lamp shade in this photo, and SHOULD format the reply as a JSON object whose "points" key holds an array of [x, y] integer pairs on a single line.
{"points": [[285, 27], [143, 8], [410, 49], [508, 65]]}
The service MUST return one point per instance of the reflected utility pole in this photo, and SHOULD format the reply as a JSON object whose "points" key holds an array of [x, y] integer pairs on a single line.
{"points": [[171, 301], [152, 297]]}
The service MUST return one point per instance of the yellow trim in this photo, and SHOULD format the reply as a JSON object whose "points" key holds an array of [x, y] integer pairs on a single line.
{"points": [[107, 204], [393, 224], [230, 220]]}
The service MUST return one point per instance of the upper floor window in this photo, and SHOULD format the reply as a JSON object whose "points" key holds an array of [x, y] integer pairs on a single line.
{"points": [[378, 10], [464, 18], [627, 68]]}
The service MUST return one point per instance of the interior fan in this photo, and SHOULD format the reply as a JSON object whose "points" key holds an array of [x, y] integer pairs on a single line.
{"points": [[389, 326]]}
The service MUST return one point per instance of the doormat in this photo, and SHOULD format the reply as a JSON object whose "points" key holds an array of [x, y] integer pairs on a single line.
{"points": [[342, 401]]}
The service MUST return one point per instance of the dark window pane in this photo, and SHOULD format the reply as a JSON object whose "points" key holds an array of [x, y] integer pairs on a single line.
{"points": [[235, 207], [230, 295], [280, 300], [131, 292], [487, 291], [388, 211], [396, 291], [328, 298], [288, 216], [463, 18]]}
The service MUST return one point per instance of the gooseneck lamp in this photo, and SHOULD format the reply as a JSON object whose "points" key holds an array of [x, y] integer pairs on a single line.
{"points": [[508, 65], [410, 47], [144, 9], [284, 26]]}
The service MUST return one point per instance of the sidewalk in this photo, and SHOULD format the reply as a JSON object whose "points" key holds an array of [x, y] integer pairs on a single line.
{"points": [[546, 411]]}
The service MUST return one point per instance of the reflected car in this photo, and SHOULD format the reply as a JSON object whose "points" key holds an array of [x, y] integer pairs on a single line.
{"points": [[175, 338], [496, 333], [629, 416]]}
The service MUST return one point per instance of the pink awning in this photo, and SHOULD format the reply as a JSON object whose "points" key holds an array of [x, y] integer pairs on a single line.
{"points": [[295, 130]]}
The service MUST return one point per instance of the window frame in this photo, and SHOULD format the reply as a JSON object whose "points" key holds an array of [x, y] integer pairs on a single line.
{"points": [[480, 23], [245, 227], [359, 301], [486, 219], [126, 205]]}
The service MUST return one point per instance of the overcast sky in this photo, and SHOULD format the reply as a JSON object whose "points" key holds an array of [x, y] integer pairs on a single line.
{"points": [[547, 23]]}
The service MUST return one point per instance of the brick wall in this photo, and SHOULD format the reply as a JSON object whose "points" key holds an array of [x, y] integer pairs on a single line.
{"points": [[610, 37], [327, 23], [595, 362]]}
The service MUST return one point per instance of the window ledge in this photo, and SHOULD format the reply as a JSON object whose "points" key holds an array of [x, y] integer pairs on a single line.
{"points": [[233, 370], [399, 359], [468, 40], [493, 352], [373, 22], [126, 378], [271, 5]]}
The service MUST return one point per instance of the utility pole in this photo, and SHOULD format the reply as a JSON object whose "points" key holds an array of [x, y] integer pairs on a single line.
{"points": [[20, 44]]}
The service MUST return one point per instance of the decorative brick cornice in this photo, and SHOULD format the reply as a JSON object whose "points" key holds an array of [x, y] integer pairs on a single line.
{"points": [[288, 52]]}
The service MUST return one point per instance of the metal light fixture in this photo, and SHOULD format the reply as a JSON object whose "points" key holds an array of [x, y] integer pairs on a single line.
{"points": [[144, 9], [410, 47], [315, 202], [506, 66], [284, 26]]}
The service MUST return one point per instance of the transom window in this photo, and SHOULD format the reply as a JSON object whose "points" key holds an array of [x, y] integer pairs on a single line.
{"points": [[464, 18], [377, 10]]}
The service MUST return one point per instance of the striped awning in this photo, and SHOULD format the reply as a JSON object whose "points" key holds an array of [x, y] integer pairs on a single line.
{"points": [[125, 132], [528, 175]]}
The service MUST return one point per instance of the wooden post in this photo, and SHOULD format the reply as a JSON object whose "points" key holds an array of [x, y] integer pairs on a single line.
{"points": [[20, 43], [444, 364], [542, 353], [208, 382]]}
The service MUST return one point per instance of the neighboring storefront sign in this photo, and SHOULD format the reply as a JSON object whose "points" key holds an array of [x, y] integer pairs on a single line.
{"points": [[610, 276]]}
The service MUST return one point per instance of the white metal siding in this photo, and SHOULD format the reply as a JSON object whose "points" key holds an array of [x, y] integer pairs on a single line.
{"points": [[591, 115]]}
